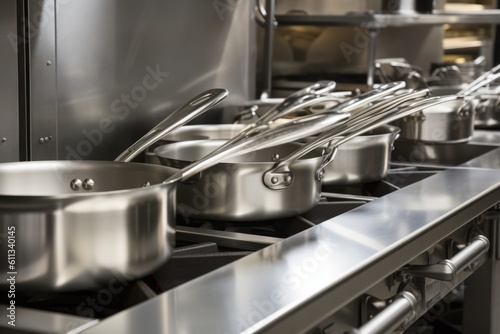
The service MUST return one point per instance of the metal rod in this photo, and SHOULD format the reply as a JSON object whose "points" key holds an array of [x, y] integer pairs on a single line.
{"points": [[267, 72], [224, 238], [394, 315], [372, 33], [348, 196]]}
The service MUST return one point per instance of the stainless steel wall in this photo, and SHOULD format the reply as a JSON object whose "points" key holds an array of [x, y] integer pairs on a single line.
{"points": [[104, 71], [9, 109]]}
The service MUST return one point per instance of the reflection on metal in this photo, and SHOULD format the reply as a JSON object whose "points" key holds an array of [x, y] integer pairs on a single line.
{"points": [[320, 270], [123, 65]]}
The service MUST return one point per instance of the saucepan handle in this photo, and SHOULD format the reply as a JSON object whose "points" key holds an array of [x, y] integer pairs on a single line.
{"points": [[317, 93], [379, 120], [284, 133], [284, 175], [195, 107], [280, 176], [296, 101], [481, 81]]}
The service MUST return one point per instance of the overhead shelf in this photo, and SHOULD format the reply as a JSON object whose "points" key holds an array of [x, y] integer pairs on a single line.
{"points": [[378, 20]]}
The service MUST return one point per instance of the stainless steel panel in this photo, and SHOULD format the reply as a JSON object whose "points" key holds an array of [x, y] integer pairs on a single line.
{"points": [[9, 108], [43, 89], [123, 65], [289, 286]]}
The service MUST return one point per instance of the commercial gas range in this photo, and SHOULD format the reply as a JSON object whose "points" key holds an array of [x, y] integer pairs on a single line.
{"points": [[417, 252]]}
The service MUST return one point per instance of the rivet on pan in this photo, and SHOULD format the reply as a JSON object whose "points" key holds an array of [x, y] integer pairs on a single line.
{"points": [[146, 184], [4, 140], [288, 179], [76, 184], [88, 184], [275, 157], [274, 180]]}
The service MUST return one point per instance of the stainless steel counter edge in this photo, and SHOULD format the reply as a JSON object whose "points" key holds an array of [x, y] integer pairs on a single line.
{"points": [[319, 270]]}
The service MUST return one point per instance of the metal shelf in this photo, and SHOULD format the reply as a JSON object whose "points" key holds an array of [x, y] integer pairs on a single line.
{"points": [[377, 20]]}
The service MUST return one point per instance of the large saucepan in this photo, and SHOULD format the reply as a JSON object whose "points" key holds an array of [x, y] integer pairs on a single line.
{"points": [[82, 225], [77, 225], [274, 183]]}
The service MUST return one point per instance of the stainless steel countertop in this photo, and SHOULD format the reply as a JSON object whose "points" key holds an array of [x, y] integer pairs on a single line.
{"points": [[319, 270]]}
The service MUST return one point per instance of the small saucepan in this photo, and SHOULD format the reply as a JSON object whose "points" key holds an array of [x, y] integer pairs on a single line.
{"points": [[452, 122]]}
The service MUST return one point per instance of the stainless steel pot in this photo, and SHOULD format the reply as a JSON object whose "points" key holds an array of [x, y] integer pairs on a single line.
{"points": [[80, 225], [83, 225], [363, 159], [485, 96], [233, 190], [274, 183], [452, 122], [487, 111]]}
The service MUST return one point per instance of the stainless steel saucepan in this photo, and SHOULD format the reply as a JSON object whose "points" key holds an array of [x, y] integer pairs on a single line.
{"points": [[279, 182], [452, 122], [82, 225]]}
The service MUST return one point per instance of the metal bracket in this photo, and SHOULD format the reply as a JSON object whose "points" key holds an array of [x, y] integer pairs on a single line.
{"points": [[278, 180]]}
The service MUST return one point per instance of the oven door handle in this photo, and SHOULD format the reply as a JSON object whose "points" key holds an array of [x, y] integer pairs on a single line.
{"points": [[447, 270], [400, 311]]}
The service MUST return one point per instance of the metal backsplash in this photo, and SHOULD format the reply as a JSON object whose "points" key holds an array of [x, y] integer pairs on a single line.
{"points": [[9, 109], [105, 71]]}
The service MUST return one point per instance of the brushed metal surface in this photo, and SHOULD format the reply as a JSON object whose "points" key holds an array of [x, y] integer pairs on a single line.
{"points": [[363, 159], [43, 76], [123, 65], [73, 240], [195, 132], [234, 190], [451, 122], [9, 108]]}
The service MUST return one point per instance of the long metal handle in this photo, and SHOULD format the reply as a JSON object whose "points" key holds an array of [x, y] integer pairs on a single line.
{"points": [[376, 121], [360, 102], [313, 95], [447, 270], [301, 99], [400, 311], [478, 83], [290, 103], [281, 171], [284, 133], [195, 107]]}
